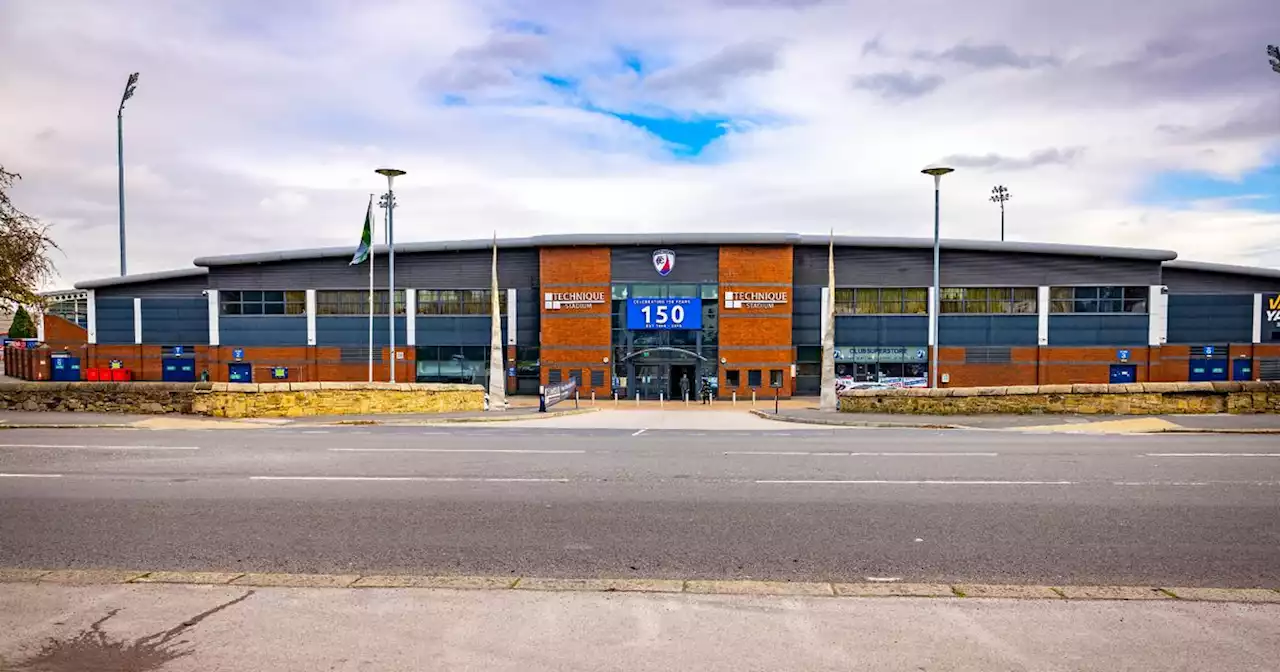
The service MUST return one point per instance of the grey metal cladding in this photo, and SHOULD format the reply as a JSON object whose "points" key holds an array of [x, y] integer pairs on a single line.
{"points": [[877, 330], [175, 321], [469, 330], [197, 274], [1210, 318], [1087, 329], [262, 330], [465, 269], [694, 263], [187, 286], [979, 330], [1182, 280], [342, 330], [889, 267], [528, 316], [114, 321]]}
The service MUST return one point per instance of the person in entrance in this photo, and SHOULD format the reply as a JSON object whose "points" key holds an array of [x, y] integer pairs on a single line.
{"points": [[684, 386]]}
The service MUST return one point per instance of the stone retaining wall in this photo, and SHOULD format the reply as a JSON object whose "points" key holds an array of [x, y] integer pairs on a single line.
{"points": [[145, 398], [279, 400], [230, 400], [1130, 399]]}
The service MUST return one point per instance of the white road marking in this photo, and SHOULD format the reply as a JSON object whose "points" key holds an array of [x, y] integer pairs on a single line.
{"points": [[418, 479], [1212, 455], [921, 482], [83, 447], [514, 451], [883, 579], [1173, 483], [805, 453], [638, 433], [315, 431], [30, 475]]}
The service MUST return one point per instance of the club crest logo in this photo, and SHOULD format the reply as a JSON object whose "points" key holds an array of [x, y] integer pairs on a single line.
{"points": [[664, 261]]}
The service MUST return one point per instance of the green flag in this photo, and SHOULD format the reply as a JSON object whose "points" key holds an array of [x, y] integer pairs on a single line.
{"points": [[366, 238]]}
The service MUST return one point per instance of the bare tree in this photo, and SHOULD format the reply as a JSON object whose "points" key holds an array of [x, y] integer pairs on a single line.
{"points": [[1274, 52], [24, 249]]}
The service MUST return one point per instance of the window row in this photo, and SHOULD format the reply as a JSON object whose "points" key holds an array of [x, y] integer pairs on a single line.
{"points": [[1098, 299], [356, 302], [263, 302], [990, 300]]}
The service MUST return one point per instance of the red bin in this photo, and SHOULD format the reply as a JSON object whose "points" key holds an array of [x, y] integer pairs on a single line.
{"points": [[91, 374], [121, 375]]}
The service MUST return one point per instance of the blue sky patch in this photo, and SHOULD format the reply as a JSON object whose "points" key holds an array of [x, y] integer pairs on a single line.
{"points": [[523, 26], [567, 84], [631, 60], [1255, 190], [685, 137]]}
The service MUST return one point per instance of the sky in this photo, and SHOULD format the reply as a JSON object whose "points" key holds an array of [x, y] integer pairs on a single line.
{"points": [[256, 126]]}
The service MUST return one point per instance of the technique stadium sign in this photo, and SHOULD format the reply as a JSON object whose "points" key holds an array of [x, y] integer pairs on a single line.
{"points": [[1270, 317], [571, 300], [749, 300]]}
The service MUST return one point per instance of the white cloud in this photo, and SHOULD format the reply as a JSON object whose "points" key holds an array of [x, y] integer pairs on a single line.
{"points": [[250, 113]]}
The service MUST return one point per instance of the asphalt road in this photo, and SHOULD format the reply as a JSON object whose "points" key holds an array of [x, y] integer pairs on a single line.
{"points": [[841, 505]]}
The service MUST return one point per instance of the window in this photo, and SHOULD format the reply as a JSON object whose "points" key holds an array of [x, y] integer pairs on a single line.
{"points": [[355, 302], [882, 301], [732, 378], [775, 378], [458, 302], [527, 360], [597, 377], [989, 300], [710, 291], [576, 376], [262, 302], [1098, 299], [553, 377], [753, 378]]}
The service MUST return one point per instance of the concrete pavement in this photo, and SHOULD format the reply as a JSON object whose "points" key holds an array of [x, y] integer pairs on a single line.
{"points": [[139, 628]]}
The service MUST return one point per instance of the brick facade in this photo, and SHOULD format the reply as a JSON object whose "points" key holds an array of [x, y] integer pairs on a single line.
{"points": [[756, 335], [576, 337]]}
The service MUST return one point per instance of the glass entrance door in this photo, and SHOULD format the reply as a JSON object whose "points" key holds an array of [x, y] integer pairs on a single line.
{"points": [[650, 379]]}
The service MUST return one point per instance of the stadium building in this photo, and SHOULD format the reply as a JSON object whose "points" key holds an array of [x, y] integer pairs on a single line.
{"points": [[637, 313]]}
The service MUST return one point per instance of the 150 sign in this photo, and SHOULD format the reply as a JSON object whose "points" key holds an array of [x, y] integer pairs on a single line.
{"points": [[664, 314]]}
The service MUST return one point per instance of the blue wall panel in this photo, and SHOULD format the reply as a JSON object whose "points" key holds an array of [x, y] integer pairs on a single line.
{"points": [[262, 330], [1200, 319], [444, 330], [1108, 329], [354, 331], [115, 321], [175, 321], [988, 329], [876, 330]]}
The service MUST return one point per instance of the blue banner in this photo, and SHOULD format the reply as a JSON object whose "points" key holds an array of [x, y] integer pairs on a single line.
{"points": [[663, 314]]}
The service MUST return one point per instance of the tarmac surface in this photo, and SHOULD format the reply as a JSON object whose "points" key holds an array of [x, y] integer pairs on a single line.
{"points": [[647, 494]]}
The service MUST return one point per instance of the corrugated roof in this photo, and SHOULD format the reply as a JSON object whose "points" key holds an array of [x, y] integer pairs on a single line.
{"points": [[1232, 269], [142, 277], [672, 239]]}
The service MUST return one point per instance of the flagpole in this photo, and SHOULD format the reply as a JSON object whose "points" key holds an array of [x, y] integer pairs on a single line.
{"points": [[371, 256]]}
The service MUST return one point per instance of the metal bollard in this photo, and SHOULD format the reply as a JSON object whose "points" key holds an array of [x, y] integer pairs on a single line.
{"points": [[593, 397], [575, 398], [686, 398], [637, 398], [735, 397], [753, 398], [662, 400], [615, 397]]}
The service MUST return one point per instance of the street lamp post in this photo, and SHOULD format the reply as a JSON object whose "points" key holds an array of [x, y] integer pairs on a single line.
{"points": [[391, 174], [1001, 195], [129, 87], [937, 171]]}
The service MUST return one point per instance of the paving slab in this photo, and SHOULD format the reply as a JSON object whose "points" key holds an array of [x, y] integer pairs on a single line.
{"points": [[603, 585], [1113, 593], [199, 578], [90, 576], [1227, 594], [893, 590], [791, 588], [457, 582], [297, 580], [1009, 592]]}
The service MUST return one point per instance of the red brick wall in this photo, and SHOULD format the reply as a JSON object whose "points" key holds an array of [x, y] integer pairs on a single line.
{"points": [[59, 331], [756, 338], [576, 338]]}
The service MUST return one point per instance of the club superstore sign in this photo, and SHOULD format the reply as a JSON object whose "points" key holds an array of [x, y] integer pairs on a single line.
{"points": [[754, 300], [571, 300]]}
